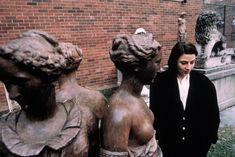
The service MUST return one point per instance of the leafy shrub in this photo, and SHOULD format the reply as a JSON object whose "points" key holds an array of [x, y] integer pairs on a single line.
{"points": [[225, 146]]}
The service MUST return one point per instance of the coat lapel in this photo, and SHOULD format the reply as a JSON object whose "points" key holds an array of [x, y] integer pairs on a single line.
{"points": [[190, 93], [176, 92]]}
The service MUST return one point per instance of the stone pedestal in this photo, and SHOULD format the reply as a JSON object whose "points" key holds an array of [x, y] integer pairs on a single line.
{"points": [[233, 39], [223, 78], [119, 77], [225, 57], [213, 62]]}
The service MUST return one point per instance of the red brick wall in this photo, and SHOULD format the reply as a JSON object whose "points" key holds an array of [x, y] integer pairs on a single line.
{"points": [[92, 24]]}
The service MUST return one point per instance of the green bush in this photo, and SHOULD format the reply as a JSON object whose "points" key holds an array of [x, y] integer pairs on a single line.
{"points": [[225, 146], [108, 92]]}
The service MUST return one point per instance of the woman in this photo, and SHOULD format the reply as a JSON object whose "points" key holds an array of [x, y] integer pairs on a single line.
{"points": [[185, 105], [127, 125], [29, 67]]}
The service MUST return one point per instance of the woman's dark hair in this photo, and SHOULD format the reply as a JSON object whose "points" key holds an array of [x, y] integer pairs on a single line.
{"points": [[178, 50]]}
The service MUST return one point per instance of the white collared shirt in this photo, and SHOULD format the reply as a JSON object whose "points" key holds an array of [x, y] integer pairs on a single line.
{"points": [[183, 89]]}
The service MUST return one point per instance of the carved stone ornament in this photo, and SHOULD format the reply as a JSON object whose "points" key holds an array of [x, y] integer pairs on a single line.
{"points": [[210, 42]]}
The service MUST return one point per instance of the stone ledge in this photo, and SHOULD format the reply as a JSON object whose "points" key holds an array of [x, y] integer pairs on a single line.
{"points": [[218, 72], [226, 104]]}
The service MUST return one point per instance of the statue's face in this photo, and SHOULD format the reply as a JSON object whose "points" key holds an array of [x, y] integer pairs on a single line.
{"points": [[148, 72], [22, 86]]}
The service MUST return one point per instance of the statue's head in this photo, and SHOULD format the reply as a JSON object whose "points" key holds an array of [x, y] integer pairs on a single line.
{"points": [[31, 63], [40, 52], [206, 22], [73, 53], [133, 54]]}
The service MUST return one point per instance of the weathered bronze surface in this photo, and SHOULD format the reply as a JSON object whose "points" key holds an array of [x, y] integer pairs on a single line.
{"points": [[127, 126], [49, 123]]}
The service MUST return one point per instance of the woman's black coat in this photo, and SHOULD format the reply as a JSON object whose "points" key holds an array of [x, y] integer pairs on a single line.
{"points": [[197, 124]]}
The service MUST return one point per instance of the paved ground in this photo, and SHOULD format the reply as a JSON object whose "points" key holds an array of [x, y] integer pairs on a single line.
{"points": [[227, 116]]}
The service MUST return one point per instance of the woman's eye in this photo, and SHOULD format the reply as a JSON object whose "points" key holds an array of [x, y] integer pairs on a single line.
{"points": [[192, 62], [183, 63]]}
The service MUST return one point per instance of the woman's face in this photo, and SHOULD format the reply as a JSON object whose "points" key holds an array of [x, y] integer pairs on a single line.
{"points": [[22, 86], [185, 64]]}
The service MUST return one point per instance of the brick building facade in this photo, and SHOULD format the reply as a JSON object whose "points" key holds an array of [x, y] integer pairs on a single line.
{"points": [[92, 24]]}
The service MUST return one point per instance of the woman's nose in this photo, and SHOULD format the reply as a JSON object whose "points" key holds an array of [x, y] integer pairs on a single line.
{"points": [[188, 66]]}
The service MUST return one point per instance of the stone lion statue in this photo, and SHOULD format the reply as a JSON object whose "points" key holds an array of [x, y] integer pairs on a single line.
{"points": [[209, 40]]}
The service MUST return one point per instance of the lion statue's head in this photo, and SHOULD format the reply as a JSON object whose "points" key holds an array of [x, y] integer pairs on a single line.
{"points": [[207, 22]]}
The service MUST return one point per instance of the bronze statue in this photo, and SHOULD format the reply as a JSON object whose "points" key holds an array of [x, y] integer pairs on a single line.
{"points": [[127, 125], [91, 104], [29, 67]]}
